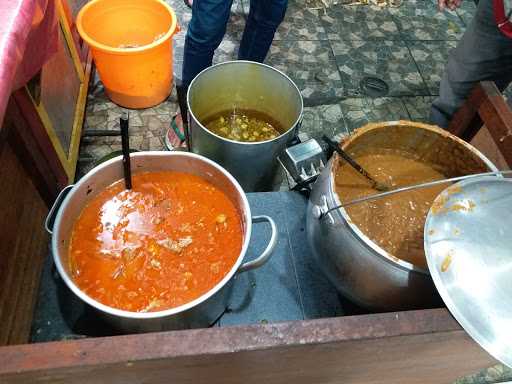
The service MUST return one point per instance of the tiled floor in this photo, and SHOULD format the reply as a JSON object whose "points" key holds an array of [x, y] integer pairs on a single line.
{"points": [[327, 53]]}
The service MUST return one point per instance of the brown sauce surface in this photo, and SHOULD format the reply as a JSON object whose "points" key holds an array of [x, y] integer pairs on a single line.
{"points": [[396, 222], [243, 125]]}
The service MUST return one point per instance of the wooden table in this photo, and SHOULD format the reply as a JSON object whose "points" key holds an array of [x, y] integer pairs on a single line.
{"points": [[425, 346]]}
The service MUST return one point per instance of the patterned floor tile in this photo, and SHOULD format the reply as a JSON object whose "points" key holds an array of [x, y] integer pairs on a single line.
{"points": [[311, 65], [353, 22], [360, 111], [496, 374], [301, 23], [421, 20], [147, 127], [466, 11], [388, 60], [418, 107], [431, 58], [242, 6], [182, 12], [323, 120]]}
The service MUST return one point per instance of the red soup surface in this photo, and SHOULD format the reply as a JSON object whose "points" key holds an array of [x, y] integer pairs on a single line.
{"points": [[164, 243]]}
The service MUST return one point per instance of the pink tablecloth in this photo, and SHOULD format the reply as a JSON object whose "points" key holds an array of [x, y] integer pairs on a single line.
{"points": [[28, 38]]}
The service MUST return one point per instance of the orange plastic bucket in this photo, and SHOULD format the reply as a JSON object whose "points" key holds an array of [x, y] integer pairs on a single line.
{"points": [[131, 44]]}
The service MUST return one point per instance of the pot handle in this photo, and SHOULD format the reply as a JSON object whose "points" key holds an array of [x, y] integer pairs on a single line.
{"points": [[265, 255], [50, 219]]}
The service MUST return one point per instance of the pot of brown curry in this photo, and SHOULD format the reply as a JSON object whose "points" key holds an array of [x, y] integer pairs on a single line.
{"points": [[373, 252], [161, 255]]}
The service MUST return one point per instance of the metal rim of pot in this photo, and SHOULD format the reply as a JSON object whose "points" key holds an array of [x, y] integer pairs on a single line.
{"points": [[341, 212], [296, 122], [66, 195]]}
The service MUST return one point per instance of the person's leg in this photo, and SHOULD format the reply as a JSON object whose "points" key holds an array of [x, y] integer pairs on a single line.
{"points": [[262, 22], [483, 53], [204, 34]]}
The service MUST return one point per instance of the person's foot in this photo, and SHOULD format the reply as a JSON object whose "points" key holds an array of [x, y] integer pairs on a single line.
{"points": [[188, 3], [175, 135]]}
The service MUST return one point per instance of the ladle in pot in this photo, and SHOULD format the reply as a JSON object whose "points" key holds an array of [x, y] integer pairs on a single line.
{"points": [[335, 146], [320, 213]]}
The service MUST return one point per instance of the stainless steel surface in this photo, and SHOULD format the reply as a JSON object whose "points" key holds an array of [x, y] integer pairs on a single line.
{"points": [[359, 268], [320, 214], [50, 218], [246, 85], [468, 244], [199, 313], [267, 252], [303, 161]]}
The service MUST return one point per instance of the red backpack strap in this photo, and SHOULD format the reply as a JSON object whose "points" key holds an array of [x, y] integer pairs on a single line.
{"points": [[503, 15]]}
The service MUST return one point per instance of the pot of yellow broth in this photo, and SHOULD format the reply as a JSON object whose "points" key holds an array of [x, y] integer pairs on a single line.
{"points": [[242, 115], [373, 252]]}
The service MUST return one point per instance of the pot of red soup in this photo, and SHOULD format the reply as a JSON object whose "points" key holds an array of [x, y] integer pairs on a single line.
{"points": [[242, 115], [161, 255], [373, 252]]}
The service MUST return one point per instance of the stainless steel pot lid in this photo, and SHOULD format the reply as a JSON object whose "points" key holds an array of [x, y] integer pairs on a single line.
{"points": [[468, 245]]}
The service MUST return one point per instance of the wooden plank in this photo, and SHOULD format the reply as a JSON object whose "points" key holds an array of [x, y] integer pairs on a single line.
{"points": [[497, 116], [71, 9], [34, 148], [10, 221], [78, 122], [49, 112], [484, 142], [466, 122], [70, 41], [23, 247], [485, 105], [405, 347]]}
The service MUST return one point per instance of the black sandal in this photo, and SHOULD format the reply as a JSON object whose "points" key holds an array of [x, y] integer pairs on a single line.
{"points": [[188, 3]]}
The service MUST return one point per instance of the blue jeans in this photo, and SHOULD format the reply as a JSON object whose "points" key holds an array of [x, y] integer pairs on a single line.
{"points": [[208, 26]]}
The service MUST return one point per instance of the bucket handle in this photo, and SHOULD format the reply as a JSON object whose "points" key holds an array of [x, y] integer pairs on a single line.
{"points": [[265, 255], [50, 219]]}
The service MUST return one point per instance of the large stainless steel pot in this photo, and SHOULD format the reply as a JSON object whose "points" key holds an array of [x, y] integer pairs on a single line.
{"points": [[359, 268], [245, 85], [201, 312]]}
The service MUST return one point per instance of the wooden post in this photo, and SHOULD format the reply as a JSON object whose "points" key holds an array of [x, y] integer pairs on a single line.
{"points": [[487, 106]]}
